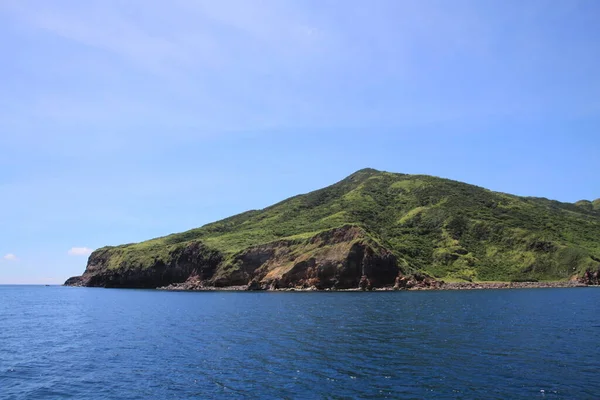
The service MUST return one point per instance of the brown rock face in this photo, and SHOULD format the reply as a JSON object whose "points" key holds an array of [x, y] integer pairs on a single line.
{"points": [[591, 277], [416, 281], [333, 259]]}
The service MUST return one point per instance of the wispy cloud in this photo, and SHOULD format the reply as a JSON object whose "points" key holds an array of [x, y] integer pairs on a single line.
{"points": [[80, 251], [232, 65], [223, 66], [10, 257], [161, 37]]}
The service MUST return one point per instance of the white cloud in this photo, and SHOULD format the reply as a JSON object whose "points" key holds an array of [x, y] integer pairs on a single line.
{"points": [[166, 38], [80, 251], [10, 257], [234, 65]]}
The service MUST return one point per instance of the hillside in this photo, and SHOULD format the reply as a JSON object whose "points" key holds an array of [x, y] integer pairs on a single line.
{"points": [[374, 224]]}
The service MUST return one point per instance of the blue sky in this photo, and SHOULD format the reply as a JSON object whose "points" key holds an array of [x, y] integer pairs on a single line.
{"points": [[123, 121]]}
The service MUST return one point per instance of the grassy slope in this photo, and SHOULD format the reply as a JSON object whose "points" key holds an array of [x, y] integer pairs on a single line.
{"points": [[449, 229]]}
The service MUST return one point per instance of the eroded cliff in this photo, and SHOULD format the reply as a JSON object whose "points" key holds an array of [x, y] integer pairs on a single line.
{"points": [[337, 258]]}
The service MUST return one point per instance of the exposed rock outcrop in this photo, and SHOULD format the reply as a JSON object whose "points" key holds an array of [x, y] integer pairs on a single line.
{"points": [[416, 281], [591, 277], [341, 258]]}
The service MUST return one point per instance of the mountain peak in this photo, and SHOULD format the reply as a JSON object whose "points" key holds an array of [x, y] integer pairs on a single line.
{"points": [[364, 173], [368, 171]]}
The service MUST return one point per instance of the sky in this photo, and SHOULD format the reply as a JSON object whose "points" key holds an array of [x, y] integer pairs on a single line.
{"points": [[122, 121]]}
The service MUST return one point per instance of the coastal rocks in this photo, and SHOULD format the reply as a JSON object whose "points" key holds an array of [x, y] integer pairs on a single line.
{"points": [[364, 283], [254, 284], [400, 282], [591, 277], [274, 285], [417, 281], [192, 283], [510, 285]]}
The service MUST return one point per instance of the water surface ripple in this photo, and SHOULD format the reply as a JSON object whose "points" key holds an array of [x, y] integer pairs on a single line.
{"points": [[89, 343]]}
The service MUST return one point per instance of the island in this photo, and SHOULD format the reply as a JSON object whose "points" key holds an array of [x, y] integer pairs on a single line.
{"points": [[372, 230]]}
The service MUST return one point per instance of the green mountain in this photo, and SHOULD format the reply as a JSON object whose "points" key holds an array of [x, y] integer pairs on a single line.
{"points": [[374, 224]]}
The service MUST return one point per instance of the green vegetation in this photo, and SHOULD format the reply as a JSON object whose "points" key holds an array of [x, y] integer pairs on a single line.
{"points": [[448, 229]]}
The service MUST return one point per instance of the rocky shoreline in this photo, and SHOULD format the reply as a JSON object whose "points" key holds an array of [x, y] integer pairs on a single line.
{"points": [[425, 284], [510, 285]]}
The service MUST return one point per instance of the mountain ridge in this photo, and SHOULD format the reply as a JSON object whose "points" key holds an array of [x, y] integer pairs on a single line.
{"points": [[403, 223]]}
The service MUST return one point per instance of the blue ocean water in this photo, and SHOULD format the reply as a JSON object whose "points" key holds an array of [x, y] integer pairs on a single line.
{"points": [[84, 343]]}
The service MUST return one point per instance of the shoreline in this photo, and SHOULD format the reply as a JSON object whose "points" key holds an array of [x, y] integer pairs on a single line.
{"points": [[442, 286]]}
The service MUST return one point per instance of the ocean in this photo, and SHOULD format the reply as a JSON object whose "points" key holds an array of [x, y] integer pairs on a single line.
{"points": [[86, 343]]}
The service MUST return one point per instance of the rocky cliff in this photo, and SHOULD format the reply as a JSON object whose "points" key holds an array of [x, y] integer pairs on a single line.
{"points": [[337, 258]]}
